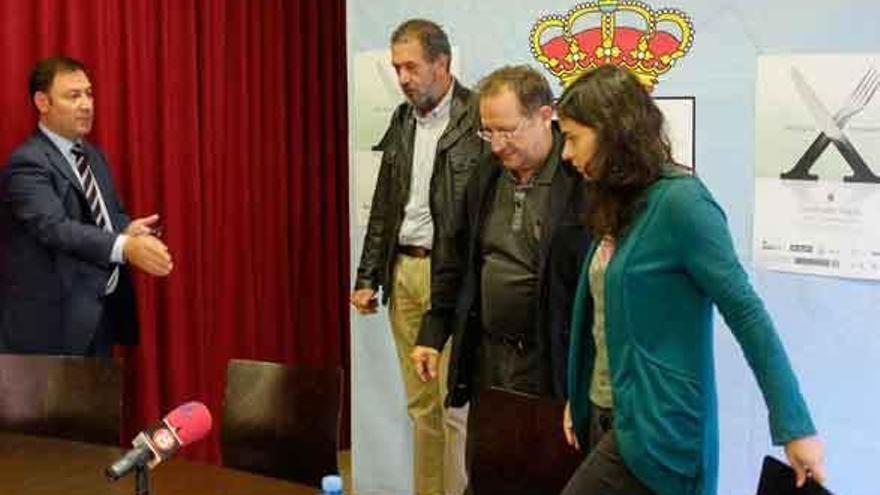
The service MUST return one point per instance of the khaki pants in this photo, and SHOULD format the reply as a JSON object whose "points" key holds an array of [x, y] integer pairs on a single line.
{"points": [[438, 432]]}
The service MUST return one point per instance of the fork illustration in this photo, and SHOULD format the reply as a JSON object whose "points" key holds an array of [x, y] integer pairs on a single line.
{"points": [[860, 96]]}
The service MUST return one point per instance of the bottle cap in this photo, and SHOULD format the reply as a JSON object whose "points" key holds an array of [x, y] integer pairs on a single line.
{"points": [[331, 483]]}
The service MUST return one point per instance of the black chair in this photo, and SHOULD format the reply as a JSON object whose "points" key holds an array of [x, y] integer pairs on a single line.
{"points": [[281, 421], [71, 397], [519, 447]]}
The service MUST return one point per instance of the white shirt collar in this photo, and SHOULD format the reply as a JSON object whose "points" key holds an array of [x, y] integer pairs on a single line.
{"points": [[62, 143]]}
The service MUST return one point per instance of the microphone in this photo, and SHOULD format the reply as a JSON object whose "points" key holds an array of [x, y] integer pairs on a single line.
{"points": [[186, 424]]}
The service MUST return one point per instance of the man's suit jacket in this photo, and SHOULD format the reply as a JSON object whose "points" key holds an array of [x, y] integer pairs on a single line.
{"points": [[54, 260]]}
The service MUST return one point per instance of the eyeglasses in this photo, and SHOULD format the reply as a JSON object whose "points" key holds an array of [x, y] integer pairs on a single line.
{"points": [[504, 136]]}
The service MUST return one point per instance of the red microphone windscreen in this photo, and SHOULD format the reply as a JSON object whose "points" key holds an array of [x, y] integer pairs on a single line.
{"points": [[190, 421]]}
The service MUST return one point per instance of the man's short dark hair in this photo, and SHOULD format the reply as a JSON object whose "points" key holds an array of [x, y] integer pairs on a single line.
{"points": [[429, 34], [530, 87], [45, 70]]}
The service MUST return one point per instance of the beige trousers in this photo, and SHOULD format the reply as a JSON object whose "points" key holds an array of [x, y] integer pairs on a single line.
{"points": [[438, 432]]}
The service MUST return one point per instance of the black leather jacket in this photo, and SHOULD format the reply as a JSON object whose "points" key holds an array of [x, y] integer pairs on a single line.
{"points": [[458, 152]]}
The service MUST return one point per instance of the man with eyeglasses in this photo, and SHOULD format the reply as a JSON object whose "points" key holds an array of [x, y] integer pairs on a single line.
{"points": [[522, 239]]}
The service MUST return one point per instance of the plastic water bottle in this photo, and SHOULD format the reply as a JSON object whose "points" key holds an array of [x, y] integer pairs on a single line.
{"points": [[331, 485]]}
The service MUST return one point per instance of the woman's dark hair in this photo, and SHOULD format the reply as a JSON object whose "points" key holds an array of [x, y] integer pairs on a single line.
{"points": [[631, 146]]}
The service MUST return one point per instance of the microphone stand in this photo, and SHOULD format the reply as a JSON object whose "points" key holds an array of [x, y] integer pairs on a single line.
{"points": [[141, 479]]}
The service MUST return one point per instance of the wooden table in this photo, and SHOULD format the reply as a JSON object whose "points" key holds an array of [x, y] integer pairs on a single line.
{"points": [[32, 465]]}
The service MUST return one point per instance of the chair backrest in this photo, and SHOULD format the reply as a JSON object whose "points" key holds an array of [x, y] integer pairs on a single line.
{"points": [[70, 397], [281, 421], [519, 446]]}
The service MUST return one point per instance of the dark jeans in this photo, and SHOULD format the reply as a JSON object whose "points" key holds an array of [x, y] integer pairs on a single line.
{"points": [[603, 472]]}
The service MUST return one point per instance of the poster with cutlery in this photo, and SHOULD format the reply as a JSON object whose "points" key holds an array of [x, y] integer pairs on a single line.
{"points": [[817, 165]]}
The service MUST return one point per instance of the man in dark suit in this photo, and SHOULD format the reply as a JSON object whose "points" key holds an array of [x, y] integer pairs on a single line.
{"points": [[66, 240]]}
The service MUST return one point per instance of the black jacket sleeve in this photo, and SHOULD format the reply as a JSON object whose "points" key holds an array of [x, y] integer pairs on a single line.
{"points": [[448, 272], [375, 252]]}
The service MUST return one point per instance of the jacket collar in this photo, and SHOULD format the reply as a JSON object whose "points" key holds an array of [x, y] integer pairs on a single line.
{"points": [[56, 157], [461, 109], [564, 186]]}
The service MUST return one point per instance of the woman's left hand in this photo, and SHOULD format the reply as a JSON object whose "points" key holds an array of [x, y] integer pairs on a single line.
{"points": [[568, 427], [807, 458]]}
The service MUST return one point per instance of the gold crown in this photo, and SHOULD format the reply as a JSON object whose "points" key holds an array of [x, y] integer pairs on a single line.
{"points": [[590, 36]]}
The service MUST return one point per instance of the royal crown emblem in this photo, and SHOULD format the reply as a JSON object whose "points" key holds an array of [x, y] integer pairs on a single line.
{"points": [[629, 34]]}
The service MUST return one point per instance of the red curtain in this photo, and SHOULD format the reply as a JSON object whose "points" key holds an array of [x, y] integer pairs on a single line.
{"points": [[228, 118]]}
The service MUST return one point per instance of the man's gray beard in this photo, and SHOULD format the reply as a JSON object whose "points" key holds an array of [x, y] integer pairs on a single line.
{"points": [[425, 104]]}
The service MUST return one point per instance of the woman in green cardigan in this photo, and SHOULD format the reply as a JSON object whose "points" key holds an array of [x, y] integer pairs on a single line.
{"points": [[641, 378]]}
